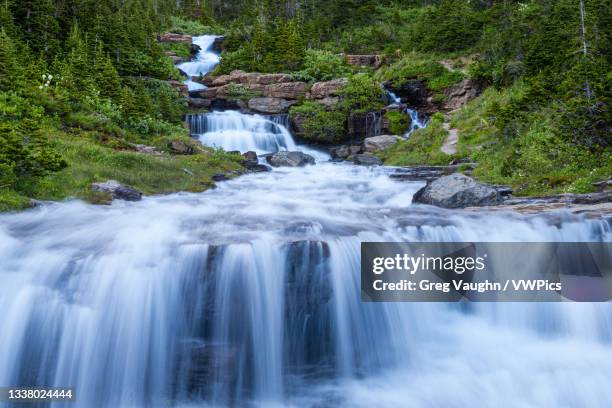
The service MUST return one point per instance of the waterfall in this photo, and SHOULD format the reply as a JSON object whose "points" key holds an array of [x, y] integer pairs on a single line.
{"points": [[415, 121], [233, 130], [249, 294], [373, 124], [204, 62]]}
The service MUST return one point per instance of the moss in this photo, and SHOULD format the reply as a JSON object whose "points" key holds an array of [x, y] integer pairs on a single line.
{"points": [[422, 148], [399, 122], [319, 124]]}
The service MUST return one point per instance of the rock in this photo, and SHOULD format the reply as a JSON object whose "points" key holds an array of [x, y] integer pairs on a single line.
{"points": [[296, 123], [287, 90], [217, 45], [206, 80], [366, 159], [180, 147], [140, 148], [603, 185], [364, 124], [174, 37], [413, 93], [290, 159], [460, 94], [208, 93], [199, 103], [117, 190], [195, 49], [178, 60], [457, 191], [228, 104], [269, 105], [219, 177], [250, 78], [250, 156], [364, 61], [183, 89], [340, 152], [378, 143], [326, 89], [329, 102]]}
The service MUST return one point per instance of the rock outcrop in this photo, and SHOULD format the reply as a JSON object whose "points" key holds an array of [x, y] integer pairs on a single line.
{"points": [[180, 147], [379, 143], [364, 61], [460, 94], [290, 159], [325, 89], [117, 190], [457, 191], [174, 38], [269, 105]]}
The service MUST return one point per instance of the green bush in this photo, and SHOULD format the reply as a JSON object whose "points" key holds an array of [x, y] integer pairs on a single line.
{"points": [[362, 94], [399, 122], [319, 124], [421, 67], [324, 65]]}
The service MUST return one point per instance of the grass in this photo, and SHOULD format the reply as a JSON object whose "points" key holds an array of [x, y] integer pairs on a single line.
{"points": [[90, 162], [422, 148]]}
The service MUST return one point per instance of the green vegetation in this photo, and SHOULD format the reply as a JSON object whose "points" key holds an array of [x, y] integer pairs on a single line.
{"points": [[399, 122], [324, 65], [423, 146], [319, 124], [528, 150]]}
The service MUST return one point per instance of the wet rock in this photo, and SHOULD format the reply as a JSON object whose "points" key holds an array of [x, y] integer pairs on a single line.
{"points": [[460, 94], [296, 123], [220, 177], [228, 104], [364, 124], [180, 147], [195, 49], [366, 159], [603, 185], [326, 89], [379, 143], [117, 190], [413, 93], [269, 105], [174, 38], [199, 103], [457, 191], [344, 152], [217, 45], [250, 156], [208, 93], [364, 61], [290, 159]]}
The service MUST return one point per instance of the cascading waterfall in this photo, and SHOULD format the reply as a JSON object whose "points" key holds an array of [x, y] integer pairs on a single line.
{"points": [[204, 62], [233, 130], [415, 120], [249, 295]]}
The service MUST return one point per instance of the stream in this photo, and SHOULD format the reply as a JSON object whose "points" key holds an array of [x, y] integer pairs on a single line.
{"points": [[248, 295]]}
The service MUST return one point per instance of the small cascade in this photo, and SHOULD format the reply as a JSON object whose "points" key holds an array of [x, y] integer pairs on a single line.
{"points": [[374, 124], [205, 61], [416, 122], [231, 130]]}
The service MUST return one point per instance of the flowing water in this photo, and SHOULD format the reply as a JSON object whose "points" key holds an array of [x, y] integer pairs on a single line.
{"points": [[249, 295], [204, 62], [416, 122]]}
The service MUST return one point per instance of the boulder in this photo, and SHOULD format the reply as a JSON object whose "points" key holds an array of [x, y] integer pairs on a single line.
{"points": [[344, 152], [329, 102], [378, 143], [457, 191], [194, 49], [199, 103], [208, 93], [366, 159], [145, 149], [290, 159], [217, 45], [287, 90], [180, 147], [117, 190], [326, 89], [174, 38], [460, 94], [183, 89], [296, 123], [269, 105], [364, 61]]}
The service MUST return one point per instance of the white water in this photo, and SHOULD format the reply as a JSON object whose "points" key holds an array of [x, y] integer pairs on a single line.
{"points": [[248, 295], [203, 63], [415, 121]]}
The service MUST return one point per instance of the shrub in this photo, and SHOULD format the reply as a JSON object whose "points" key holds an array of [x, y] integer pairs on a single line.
{"points": [[399, 122], [318, 124], [362, 94], [324, 65]]}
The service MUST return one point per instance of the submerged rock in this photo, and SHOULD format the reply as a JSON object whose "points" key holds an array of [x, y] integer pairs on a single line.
{"points": [[290, 159], [457, 191], [367, 159], [378, 143], [117, 190]]}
